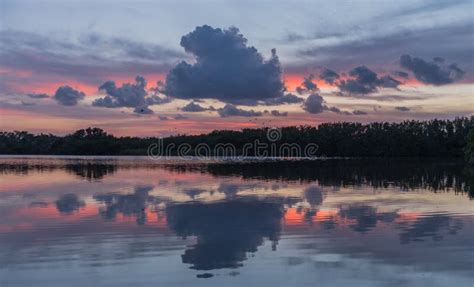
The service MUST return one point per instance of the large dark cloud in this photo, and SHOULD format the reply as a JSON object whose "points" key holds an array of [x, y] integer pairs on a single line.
{"points": [[229, 110], [225, 69], [365, 81], [129, 95], [431, 72], [68, 96]]}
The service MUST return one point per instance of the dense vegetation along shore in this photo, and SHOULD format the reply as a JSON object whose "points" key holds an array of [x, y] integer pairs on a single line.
{"points": [[434, 138]]}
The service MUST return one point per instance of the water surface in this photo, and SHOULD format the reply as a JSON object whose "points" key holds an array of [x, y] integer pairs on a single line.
{"points": [[129, 221]]}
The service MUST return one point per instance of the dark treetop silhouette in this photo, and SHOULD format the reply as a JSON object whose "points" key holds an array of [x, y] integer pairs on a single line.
{"points": [[446, 138]]}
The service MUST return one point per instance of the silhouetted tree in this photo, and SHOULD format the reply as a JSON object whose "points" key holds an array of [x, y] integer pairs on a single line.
{"points": [[434, 138]]}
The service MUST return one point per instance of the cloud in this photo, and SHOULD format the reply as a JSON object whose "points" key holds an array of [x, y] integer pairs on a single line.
{"points": [[125, 48], [88, 59], [69, 203], [225, 69], [285, 99], [401, 74], [378, 47], [365, 81], [391, 98], [329, 76], [358, 112], [27, 103], [143, 110], [38, 96], [336, 110], [180, 117], [152, 100], [276, 113], [314, 195], [314, 104], [68, 96], [229, 110], [388, 82], [402, 109], [129, 95], [193, 107], [307, 85], [431, 72]]}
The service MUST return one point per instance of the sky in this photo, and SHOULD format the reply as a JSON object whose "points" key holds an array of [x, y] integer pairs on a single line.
{"points": [[156, 68]]}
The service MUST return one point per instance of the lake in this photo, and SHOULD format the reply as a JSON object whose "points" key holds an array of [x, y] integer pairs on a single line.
{"points": [[132, 221]]}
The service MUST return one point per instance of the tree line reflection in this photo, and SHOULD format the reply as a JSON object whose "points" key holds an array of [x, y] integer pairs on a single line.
{"points": [[436, 176]]}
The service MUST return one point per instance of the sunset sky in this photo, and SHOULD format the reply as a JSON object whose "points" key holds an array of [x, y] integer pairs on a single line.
{"points": [[155, 68]]}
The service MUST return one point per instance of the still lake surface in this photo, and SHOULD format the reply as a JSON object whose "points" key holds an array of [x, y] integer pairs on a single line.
{"points": [[131, 221]]}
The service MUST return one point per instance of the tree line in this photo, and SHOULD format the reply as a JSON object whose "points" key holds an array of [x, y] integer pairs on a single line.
{"points": [[433, 138]]}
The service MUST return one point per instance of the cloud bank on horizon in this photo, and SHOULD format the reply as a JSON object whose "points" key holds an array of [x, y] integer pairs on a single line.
{"points": [[338, 70]]}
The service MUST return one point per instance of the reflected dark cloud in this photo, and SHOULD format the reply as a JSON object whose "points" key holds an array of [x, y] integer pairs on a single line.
{"points": [[313, 195], [225, 231], [365, 217], [231, 189], [69, 203], [434, 227], [194, 192], [127, 204]]}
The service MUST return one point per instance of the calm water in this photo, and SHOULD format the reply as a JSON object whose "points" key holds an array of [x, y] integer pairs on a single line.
{"points": [[132, 222]]}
